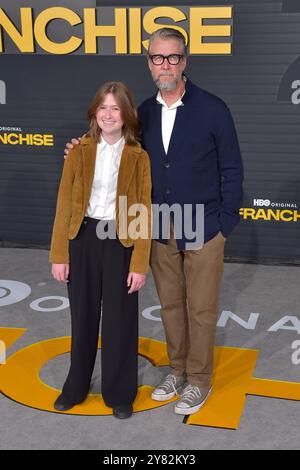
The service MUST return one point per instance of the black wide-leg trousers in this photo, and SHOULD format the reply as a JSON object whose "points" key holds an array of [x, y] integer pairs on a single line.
{"points": [[98, 272]]}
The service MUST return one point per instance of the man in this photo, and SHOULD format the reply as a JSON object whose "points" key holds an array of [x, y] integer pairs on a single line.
{"points": [[190, 137]]}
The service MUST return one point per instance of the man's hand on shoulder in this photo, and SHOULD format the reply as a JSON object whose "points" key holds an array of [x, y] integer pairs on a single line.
{"points": [[71, 145]]}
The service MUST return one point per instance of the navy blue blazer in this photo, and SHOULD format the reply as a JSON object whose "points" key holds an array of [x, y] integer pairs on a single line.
{"points": [[203, 164]]}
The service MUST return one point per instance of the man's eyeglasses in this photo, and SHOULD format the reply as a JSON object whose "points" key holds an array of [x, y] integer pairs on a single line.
{"points": [[173, 59]]}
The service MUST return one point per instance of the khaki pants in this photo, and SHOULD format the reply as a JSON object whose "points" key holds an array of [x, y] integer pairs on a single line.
{"points": [[188, 284]]}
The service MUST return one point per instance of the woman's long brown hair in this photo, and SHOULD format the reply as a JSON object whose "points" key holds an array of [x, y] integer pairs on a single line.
{"points": [[124, 99]]}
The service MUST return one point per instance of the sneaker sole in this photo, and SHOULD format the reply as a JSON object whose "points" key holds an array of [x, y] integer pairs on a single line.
{"points": [[194, 409], [159, 397]]}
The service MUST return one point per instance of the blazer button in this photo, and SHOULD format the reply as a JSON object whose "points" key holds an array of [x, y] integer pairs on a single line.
{"points": [[167, 165], [168, 191]]}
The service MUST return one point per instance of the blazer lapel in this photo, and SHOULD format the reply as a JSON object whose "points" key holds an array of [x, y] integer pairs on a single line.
{"points": [[177, 134], [89, 160], [127, 166], [126, 171], [158, 126]]}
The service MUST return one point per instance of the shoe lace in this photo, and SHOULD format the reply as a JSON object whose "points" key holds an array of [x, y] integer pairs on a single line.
{"points": [[190, 393], [169, 382]]}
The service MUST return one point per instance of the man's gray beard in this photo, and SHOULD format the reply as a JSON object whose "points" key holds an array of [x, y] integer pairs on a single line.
{"points": [[167, 86]]}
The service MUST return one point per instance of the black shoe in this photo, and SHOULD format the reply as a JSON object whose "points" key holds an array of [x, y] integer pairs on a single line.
{"points": [[122, 411], [62, 405]]}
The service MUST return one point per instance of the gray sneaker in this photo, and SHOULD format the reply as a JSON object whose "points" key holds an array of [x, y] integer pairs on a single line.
{"points": [[192, 399], [168, 388]]}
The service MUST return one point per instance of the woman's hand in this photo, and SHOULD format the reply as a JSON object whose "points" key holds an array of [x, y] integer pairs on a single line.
{"points": [[60, 272], [135, 281]]}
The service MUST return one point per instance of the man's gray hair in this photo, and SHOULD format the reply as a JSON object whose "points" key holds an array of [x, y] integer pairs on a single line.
{"points": [[169, 33]]}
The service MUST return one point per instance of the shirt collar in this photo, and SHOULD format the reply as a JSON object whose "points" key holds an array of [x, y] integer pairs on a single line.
{"points": [[117, 146], [178, 103]]}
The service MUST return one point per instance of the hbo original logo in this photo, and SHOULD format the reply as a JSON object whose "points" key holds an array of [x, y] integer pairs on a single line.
{"points": [[262, 202]]}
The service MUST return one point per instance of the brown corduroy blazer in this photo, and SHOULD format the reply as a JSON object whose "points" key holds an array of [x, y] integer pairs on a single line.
{"points": [[134, 182]]}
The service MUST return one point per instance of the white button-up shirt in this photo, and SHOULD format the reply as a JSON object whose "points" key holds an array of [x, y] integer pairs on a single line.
{"points": [[102, 203], [168, 115]]}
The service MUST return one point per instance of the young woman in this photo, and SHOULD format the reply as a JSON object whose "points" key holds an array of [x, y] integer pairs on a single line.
{"points": [[108, 166]]}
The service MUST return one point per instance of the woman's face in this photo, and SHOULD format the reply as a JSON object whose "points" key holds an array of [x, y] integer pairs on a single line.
{"points": [[109, 117]]}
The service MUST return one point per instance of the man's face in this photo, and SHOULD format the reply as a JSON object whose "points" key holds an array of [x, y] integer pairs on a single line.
{"points": [[166, 76]]}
